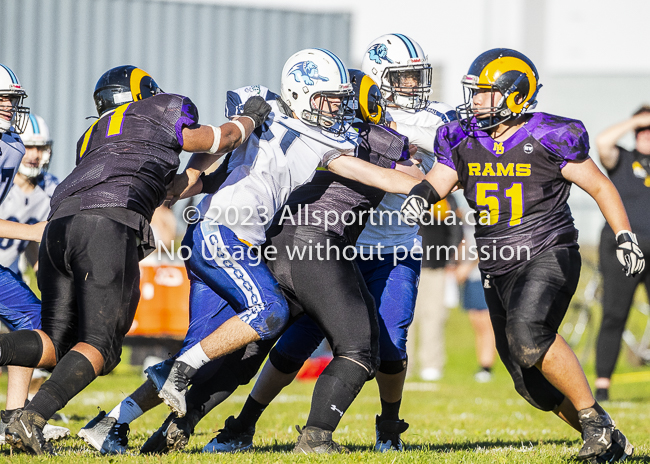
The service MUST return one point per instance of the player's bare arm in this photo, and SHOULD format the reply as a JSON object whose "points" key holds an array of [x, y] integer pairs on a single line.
{"points": [[589, 178], [388, 180], [210, 143], [18, 231]]}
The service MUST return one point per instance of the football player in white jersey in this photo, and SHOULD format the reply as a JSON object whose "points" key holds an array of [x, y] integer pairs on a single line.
{"points": [[20, 309], [390, 250], [400, 67], [28, 201], [308, 127]]}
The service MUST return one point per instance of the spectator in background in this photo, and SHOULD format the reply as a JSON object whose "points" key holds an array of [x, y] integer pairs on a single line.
{"points": [[427, 339], [473, 301], [630, 173]]}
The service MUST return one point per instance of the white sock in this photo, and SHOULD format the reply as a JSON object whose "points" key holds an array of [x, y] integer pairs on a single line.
{"points": [[126, 412], [194, 357]]}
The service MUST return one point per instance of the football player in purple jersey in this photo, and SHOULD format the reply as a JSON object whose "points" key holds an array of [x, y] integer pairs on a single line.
{"points": [[97, 232], [516, 169]]}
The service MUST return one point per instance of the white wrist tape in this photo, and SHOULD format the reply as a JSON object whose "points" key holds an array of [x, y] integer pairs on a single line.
{"points": [[217, 139], [241, 129]]}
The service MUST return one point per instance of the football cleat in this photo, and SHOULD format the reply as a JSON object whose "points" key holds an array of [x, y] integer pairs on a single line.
{"points": [[55, 432], [315, 440], [105, 435], [173, 435], [50, 432], [388, 434], [619, 451], [232, 438], [25, 432], [171, 383], [602, 441]]}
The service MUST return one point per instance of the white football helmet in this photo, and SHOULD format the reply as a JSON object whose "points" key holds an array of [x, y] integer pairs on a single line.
{"points": [[10, 89], [36, 134], [400, 68], [316, 86]]}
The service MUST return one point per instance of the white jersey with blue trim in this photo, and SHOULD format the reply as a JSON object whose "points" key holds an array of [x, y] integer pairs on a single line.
{"points": [[384, 228], [277, 158], [25, 208], [12, 151]]}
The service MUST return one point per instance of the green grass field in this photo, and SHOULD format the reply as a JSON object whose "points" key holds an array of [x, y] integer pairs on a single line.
{"points": [[454, 420]]}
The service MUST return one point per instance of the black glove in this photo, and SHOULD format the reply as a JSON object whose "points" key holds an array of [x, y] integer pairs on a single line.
{"points": [[420, 198], [629, 254], [257, 109]]}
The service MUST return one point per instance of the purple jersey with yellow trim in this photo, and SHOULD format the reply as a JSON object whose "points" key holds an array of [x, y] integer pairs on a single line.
{"points": [[128, 156], [517, 186]]}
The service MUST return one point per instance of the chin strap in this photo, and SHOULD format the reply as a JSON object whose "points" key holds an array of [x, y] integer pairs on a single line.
{"points": [[284, 108]]}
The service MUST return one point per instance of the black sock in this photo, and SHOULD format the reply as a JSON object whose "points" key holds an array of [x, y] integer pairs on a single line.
{"points": [[72, 374], [210, 392], [336, 388], [486, 369], [21, 348], [390, 411], [251, 412], [599, 409]]}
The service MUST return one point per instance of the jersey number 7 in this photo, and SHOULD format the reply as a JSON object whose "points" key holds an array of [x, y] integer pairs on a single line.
{"points": [[114, 128]]}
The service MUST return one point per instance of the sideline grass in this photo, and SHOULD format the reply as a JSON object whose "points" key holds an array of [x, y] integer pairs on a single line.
{"points": [[455, 420]]}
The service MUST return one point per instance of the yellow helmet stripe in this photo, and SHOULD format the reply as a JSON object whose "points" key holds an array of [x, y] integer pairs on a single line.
{"points": [[136, 76], [366, 83], [493, 70]]}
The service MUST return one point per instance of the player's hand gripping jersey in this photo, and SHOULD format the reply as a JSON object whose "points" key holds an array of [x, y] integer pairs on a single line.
{"points": [[517, 186], [278, 157], [128, 156]]}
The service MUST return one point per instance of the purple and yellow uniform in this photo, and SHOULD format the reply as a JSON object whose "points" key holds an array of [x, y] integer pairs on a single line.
{"points": [[517, 187], [128, 156], [99, 223], [527, 242]]}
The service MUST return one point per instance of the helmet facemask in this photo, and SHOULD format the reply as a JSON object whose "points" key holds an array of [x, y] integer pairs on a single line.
{"points": [[483, 118], [331, 111], [19, 113], [408, 86]]}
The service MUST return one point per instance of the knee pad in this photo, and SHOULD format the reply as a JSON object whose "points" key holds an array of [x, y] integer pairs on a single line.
{"points": [[283, 363], [268, 320], [367, 358], [522, 345], [21, 348], [393, 367]]}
